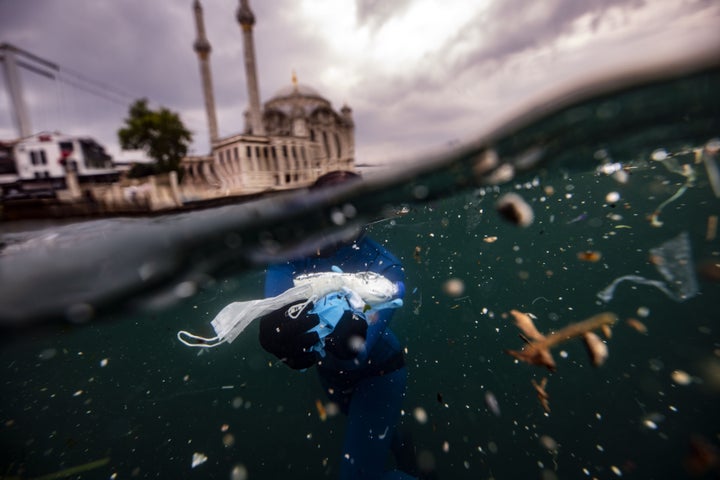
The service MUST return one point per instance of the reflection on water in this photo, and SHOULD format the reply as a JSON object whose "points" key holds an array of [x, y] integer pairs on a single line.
{"points": [[119, 397]]}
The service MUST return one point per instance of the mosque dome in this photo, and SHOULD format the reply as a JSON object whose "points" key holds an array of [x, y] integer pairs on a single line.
{"points": [[296, 89], [295, 97]]}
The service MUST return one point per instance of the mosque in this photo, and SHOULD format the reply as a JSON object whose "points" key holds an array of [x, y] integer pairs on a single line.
{"points": [[295, 136]]}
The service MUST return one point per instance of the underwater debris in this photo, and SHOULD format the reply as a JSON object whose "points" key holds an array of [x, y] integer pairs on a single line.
{"points": [[681, 377], [537, 346], [612, 197], [589, 256], [322, 413], [416, 253], [492, 403], [685, 170], [198, 459], [454, 287], [542, 395], [420, 415], [490, 239], [596, 348], [637, 325], [673, 259], [513, 208]]}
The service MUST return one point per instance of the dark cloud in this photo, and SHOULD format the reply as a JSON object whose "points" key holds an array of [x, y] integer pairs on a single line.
{"points": [[374, 13]]}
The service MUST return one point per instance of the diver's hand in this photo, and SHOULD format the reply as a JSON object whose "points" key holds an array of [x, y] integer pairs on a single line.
{"points": [[288, 338], [347, 340]]}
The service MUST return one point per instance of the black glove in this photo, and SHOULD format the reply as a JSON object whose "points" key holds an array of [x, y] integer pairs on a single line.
{"points": [[288, 338], [348, 337]]}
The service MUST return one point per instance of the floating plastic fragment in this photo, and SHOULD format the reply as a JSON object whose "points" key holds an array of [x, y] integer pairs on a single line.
{"points": [[686, 170], [674, 264], [492, 403], [677, 266], [513, 208], [198, 459]]}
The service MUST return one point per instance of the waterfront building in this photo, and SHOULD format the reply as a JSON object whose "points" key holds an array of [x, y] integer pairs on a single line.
{"points": [[286, 143]]}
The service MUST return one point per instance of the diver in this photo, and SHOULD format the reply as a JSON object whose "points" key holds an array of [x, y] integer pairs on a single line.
{"points": [[362, 368]]}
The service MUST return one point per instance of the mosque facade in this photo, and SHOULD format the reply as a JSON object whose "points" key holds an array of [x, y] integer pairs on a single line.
{"points": [[287, 142]]}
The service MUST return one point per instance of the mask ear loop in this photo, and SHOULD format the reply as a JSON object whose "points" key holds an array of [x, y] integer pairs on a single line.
{"points": [[294, 311], [203, 342]]}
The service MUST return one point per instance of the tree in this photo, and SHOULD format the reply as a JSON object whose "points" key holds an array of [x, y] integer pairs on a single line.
{"points": [[160, 133]]}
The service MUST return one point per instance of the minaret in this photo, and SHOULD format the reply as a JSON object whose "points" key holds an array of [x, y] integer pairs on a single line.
{"points": [[246, 19], [202, 47]]}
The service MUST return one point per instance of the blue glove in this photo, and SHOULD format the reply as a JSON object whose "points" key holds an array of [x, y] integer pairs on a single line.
{"points": [[347, 339]]}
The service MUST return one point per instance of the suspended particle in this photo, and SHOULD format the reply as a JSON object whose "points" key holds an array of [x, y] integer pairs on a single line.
{"points": [[47, 354], [104, 362], [198, 459], [643, 312], [589, 256], [612, 197], [649, 424], [513, 208], [492, 403], [420, 415], [616, 470], [322, 413], [239, 473], [490, 239], [681, 377], [446, 446], [637, 325], [185, 289], [332, 409], [416, 254], [454, 287], [548, 443], [659, 155], [228, 440]]}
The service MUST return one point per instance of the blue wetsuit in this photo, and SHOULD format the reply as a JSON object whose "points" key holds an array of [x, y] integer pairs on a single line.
{"points": [[370, 388]]}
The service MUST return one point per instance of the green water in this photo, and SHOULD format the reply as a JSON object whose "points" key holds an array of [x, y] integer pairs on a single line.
{"points": [[122, 388]]}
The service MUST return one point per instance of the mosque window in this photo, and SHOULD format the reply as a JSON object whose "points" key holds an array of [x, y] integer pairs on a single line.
{"points": [[326, 143], [248, 151], [338, 148], [235, 152]]}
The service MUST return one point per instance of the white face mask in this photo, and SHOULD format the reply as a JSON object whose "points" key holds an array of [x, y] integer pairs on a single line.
{"points": [[362, 289]]}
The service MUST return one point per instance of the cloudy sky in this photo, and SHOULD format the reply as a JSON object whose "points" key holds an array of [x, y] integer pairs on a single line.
{"points": [[419, 74]]}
